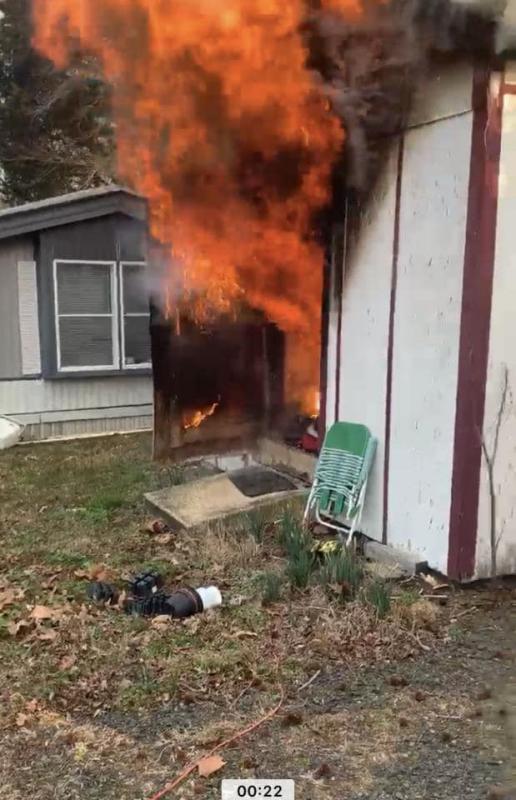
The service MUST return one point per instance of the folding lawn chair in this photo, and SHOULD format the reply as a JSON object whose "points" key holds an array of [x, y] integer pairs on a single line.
{"points": [[340, 483]]}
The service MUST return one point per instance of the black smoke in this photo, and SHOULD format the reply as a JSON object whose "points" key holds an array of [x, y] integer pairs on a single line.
{"points": [[371, 69]]}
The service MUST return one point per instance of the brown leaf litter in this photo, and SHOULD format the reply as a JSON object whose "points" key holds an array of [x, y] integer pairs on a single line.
{"points": [[97, 572], [10, 595], [41, 613], [207, 766]]}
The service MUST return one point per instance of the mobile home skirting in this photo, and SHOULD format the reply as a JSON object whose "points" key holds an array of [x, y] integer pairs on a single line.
{"points": [[49, 409]]}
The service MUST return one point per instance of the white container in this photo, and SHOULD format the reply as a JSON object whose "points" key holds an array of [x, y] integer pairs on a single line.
{"points": [[210, 596], [10, 433]]}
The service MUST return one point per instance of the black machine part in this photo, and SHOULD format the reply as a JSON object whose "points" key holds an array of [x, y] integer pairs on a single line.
{"points": [[181, 604], [145, 584], [101, 592]]}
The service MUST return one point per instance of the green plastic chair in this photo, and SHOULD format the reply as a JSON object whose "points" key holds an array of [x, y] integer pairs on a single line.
{"points": [[340, 484]]}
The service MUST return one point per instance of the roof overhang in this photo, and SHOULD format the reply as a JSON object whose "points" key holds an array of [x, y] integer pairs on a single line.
{"points": [[70, 208]]}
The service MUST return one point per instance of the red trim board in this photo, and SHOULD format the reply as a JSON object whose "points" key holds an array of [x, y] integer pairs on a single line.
{"points": [[479, 258]]}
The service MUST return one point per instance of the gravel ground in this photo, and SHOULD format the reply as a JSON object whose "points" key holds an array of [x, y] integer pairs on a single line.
{"points": [[455, 741], [438, 726]]}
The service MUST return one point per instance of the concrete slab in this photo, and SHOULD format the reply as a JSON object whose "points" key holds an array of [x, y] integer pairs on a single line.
{"points": [[386, 572], [406, 563], [210, 499], [278, 454]]}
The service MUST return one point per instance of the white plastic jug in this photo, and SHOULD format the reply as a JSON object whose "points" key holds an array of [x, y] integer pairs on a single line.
{"points": [[10, 433]]}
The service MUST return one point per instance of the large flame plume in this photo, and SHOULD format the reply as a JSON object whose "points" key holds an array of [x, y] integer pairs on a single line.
{"points": [[223, 127]]}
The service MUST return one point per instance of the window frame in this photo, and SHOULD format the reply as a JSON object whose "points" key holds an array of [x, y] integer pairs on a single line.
{"points": [[123, 365], [115, 318]]}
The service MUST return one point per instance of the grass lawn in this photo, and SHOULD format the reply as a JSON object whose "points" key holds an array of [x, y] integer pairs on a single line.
{"points": [[96, 704]]}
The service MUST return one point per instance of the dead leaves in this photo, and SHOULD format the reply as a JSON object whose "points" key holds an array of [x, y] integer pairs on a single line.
{"points": [[67, 662], [25, 717], [48, 636], [209, 765], [42, 624], [161, 622], [97, 572], [41, 613], [164, 539], [50, 582], [161, 533], [244, 635], [158, 528], [9, 596], [194, 623], [14, 628]]}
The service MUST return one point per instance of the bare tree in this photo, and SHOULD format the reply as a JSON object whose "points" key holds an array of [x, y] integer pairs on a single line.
{"points": [[490, 459]]}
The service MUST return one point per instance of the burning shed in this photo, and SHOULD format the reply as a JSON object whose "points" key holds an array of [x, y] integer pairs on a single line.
{"points": [[252, 126], [419, 335]]}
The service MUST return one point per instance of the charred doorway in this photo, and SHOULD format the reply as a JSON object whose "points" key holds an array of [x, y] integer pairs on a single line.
{"points": [[218, 387]]}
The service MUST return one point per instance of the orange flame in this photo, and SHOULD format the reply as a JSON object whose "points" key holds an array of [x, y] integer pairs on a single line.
{"points": [[196, 419], [222, 126]]}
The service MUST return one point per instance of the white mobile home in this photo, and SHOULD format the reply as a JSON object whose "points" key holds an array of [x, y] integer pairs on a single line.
{"points": [[74, 315]]}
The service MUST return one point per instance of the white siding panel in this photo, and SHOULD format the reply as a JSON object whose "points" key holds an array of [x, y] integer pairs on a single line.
{"points": [[333, 325], [39, 396], [446, 91], [365, 327], [502, 356], [427, 335], [29, 318], [331, 387]]}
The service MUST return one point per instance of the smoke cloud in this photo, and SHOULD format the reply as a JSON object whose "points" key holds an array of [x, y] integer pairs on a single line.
{"points": [[371, 68]]}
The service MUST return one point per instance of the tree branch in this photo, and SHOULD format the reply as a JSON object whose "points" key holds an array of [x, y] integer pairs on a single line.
{"points": [[490, 459]]}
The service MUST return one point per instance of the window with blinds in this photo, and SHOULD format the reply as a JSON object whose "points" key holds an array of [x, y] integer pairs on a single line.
{"points": [[135, 316], [102, 316], [86, 315]]}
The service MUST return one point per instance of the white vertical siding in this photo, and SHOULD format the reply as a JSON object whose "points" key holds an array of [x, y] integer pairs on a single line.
{"points": [[11, 251], [427, 335], [365, 328], [333, 327], [427, 320], [29, 318], [502, 356]]}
